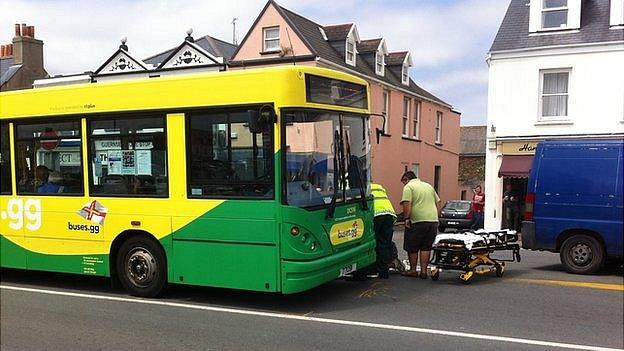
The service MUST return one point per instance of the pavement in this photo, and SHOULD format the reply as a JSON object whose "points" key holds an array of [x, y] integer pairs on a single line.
{"points": [[536, 305]]}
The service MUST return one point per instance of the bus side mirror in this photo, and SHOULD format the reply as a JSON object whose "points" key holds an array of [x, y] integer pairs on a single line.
{"points": [[260, 120], [379, 133]]}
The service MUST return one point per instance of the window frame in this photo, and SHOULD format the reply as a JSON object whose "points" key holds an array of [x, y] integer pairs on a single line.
{"points": [[265, 39], [416, 120], [352, 52], [7, 138], [540, 102], [437, 178], [544, 10], [416, 169], [405, 74], [438, 127], [126, 115], [385, 109], [406, 114], [226, 110], [42, 120], [380, 62]]}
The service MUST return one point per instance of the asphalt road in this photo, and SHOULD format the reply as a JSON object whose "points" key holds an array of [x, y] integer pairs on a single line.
{"points": [[535, 306]]}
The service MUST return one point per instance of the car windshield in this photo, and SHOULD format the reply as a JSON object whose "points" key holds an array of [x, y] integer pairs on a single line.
{"points": [[327, 154], [457, 206]]}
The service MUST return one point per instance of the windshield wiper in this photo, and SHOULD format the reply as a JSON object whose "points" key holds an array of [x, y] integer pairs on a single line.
{"points": [[332, 204]]}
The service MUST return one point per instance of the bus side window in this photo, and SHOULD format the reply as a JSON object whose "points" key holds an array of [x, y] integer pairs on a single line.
{"points": [[48, 158], [128, 155], [227, 160], [5, 159]]}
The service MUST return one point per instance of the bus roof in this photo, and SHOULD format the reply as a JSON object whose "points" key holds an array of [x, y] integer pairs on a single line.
{"points": [[283, 86]]}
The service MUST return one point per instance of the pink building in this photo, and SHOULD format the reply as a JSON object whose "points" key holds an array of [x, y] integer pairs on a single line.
{"points": [[422, 131]]}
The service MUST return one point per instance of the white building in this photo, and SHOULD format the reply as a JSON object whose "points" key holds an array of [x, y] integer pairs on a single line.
{"points": [[556, 70]]}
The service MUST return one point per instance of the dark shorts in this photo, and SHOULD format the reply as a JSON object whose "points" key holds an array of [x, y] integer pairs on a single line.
{"points": [[420, 236]]}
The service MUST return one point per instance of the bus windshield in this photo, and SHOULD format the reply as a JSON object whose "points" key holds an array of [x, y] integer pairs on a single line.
{"points": [[327, 155]]}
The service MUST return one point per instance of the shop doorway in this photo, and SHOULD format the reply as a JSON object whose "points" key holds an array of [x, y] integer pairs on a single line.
{"points": [[519, 186]]}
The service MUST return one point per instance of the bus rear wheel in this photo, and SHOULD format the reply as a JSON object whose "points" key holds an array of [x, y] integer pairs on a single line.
{"points": [[582, 254], [141, 267]]}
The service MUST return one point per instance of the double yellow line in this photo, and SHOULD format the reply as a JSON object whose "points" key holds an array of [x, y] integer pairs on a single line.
{"points": [[570, 284]]}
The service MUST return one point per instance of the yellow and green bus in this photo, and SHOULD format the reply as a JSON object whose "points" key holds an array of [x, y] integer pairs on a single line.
{"points": [[254, 179]]}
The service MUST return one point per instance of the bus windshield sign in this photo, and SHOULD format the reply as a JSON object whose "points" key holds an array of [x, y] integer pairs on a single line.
{"points": [[330, 91]]}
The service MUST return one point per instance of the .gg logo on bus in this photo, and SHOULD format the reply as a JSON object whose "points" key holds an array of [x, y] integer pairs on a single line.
{"points": [[20, 210]]}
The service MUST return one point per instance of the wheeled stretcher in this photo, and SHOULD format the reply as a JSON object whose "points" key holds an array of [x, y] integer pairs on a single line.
{"points": [[469, 253]]}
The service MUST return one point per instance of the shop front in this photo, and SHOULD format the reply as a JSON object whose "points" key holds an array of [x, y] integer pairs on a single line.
{"points": [[508, 183]]}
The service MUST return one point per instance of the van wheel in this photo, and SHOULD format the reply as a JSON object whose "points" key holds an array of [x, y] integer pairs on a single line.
{"points": [[141, 267], [582, 254]]}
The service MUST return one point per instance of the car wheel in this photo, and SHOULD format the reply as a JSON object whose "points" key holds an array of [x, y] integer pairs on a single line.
{"points": [[582, 254], [141, 267]]}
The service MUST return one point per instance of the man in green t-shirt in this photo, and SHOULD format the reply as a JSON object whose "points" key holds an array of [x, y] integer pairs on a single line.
{"points": [[421, 221]]}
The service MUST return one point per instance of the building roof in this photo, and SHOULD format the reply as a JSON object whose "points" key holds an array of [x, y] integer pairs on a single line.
{"points": [[214, 46], [310, 32], [472, 140], [7, 69], [338, 31], [368, 45], [396, 58], [514, 30]]}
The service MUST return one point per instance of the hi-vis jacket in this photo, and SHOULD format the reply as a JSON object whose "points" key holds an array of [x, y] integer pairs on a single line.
{"points": [[381, 203]]}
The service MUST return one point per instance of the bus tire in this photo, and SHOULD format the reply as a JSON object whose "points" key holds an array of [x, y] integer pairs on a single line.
{"points": [[582, 254], [142, 267]]}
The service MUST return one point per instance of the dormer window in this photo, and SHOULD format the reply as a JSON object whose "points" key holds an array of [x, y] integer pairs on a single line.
{"points": [[380, 62], [405, 74], [271, 40], [350, 52], [617, 13], [554, 14]]}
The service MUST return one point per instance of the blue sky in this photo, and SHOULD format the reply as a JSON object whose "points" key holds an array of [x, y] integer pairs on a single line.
{"points": [[448, 39]]}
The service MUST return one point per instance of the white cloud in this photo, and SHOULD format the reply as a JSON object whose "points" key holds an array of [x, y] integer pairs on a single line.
{"points": [[448, 40], [79, 35]]}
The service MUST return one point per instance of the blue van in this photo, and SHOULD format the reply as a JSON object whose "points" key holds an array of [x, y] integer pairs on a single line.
{"points": [[574, 202]]}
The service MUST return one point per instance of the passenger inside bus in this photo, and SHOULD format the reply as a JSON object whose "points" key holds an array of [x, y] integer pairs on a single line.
{"points": [[42, 183]]}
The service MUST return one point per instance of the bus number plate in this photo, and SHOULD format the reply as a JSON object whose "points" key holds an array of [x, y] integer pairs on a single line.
{"points": [[348, 269]]}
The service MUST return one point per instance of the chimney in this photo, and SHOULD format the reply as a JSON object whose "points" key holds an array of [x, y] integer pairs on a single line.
{"points": [[26, 49], [18, 30]]}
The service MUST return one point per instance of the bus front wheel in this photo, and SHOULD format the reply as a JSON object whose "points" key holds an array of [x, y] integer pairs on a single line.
{"points": [[582, 254], [141, 267]]}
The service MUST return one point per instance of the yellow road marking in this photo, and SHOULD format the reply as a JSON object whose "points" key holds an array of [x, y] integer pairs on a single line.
{"points": [[572, 284]]}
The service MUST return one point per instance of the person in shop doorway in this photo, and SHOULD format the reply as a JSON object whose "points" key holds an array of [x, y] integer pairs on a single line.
{"points": [[387, 255], [478, 205], [420, 210], [511, 202]]}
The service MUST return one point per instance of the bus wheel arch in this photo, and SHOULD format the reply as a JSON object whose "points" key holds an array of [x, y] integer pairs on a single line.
{"points": [[138, 262], [581, 251]]}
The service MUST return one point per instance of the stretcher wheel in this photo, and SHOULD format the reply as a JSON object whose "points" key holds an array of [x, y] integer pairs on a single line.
{"points": [[500, 269], [466, 277]]}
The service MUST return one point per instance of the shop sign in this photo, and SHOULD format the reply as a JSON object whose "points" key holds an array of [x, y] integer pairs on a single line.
{"points": [[519, 148]]}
